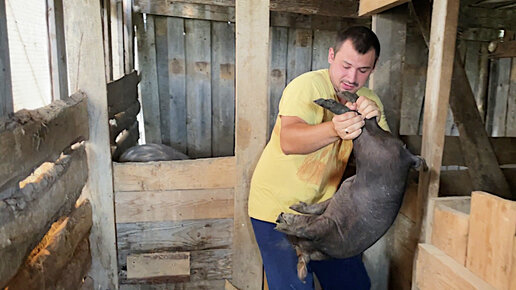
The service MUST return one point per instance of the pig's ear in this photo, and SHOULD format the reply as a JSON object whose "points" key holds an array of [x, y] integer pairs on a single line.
{"points": [[419, 163]]}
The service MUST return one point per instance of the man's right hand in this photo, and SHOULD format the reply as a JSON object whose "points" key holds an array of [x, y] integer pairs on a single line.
{"points": [[348, 125]]}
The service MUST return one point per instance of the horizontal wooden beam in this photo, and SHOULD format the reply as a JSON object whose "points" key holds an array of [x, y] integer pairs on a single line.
{"points": [[345, 8], [458, 182], [163, 267], [436, 270], [122, 93], [175, 205], [205, 265], [31, 137], [50, 257], [504, 49], [370, 7], [504, 148], [27, 215], [181, 174]]}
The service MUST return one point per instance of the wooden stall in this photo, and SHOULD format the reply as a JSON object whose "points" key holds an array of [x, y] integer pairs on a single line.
{"points": [[44, 229]]}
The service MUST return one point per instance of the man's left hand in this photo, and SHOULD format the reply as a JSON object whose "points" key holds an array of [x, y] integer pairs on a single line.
{"points": [[365, 107]]}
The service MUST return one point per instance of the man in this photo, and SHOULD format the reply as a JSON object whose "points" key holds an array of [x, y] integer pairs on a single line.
{"points": [[306, 157]]}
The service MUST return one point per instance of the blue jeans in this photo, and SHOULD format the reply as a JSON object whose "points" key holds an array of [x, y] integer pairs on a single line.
{"points": [[280, 263]]}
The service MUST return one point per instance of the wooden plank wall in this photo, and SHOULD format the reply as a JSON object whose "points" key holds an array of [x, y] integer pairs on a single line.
{"points": [[186, 218], [43, 234]]}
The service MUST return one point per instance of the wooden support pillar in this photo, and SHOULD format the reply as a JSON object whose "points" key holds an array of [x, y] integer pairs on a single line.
{"points": [[87, 73], [6, 95], [57, 49], [252, 95], [386, 81], [443, 33], [117, 38]]}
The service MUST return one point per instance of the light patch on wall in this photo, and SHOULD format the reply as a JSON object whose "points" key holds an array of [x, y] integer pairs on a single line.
{"points": [[28, 50]]}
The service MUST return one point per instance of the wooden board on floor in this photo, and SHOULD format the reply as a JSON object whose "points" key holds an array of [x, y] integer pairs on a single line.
{"points": [[491, 237], [152, 206], [181, 174], [173, 266], [436, 270]]}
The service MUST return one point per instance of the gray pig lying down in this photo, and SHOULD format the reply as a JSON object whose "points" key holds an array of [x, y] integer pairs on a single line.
{"points": [[151, 152], [365, 205]]}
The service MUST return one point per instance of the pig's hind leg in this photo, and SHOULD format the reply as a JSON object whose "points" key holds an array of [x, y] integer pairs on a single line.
{"points": [[314, 209]]}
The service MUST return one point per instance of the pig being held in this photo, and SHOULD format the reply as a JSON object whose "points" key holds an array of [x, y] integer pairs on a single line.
{"points": [[365, 205], [151, 152]]}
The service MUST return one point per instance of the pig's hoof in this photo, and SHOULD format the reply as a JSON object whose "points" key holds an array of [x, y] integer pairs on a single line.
{"points": [[283, 222], [299, 207]]}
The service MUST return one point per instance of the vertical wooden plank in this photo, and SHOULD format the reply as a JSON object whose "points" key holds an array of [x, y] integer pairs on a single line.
{"points": [[481, 88], [252, 60], [414, 78], [450, 232], [106, 33], [497, 96], [198, 87], [278, 71], [223, 88], [323, 40], [177, 83], [299, 52], [6, 94], [148, 85], [512, 282], [57, 49], [386, 81], [511, 105], [127, 6], [117, 38], [83, 31], [440, 66], [491, 237], [162, 71]]}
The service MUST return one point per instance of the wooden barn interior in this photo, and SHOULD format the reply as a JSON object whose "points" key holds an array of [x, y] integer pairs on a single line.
{"points": [[205, 77]]}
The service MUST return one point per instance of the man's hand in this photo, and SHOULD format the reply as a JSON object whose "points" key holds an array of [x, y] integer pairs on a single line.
{"points": [[349, 125]]}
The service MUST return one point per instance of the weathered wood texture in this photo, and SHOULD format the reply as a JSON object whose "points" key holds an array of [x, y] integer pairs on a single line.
{"points": [[252, 103], [128, 29], [491, 236], [162, 266], [346, 8], [504, 149], [436, 270], [440, 61], [197, 285], [184, 174], [122, 93], [504, 49], [57, 49], [46, 263], [74, 273], [142, 206], [117, 38], [148, 87], [32, 137], [42, 198], [86, 69], [370, 7], [6, 94]]}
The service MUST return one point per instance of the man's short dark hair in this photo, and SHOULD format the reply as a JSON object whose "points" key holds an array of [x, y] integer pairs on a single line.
{"points": [[363, 40]]}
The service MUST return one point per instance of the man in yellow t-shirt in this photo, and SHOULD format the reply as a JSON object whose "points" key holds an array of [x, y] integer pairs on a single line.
{"points": [[306, 157]]}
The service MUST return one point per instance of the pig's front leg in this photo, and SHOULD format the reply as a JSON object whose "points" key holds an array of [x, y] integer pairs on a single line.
{"points": [[315, 209], [293, 224]]}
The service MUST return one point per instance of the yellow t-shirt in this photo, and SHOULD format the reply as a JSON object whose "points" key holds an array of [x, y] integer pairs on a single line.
{"points": [[280, 180]]}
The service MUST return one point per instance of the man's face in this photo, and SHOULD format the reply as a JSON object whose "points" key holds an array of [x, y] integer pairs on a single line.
{"points": [[349, 69]]}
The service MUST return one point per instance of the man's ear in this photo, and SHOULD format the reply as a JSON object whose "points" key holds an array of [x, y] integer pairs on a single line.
{"points": [[331, 55]]}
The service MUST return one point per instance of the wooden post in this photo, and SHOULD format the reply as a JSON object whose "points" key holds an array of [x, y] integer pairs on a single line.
{"points": [[6, 95], [440, 67], [128, 36], [117, 39], [56, 40], [252, 94], [386, 81], [87, 72]]}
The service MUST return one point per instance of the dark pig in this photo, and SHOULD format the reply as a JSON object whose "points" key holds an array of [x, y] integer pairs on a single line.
{"points": [[365, 205], [151, 152]]}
